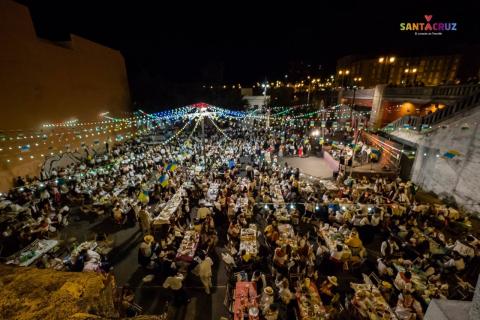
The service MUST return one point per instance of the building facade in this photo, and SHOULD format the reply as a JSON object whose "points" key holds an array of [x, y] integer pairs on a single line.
{"points": [[405, 71]]}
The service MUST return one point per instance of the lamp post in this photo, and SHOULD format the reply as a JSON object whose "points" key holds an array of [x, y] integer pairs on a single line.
{"points": [[265, 86], [343, 73], [387, 62], [355, 80], [309, 89]]}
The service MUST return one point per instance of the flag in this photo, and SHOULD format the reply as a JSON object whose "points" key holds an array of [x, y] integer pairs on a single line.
{"points": [[163, 180], [450, 154], [143, 198], [171, 167]]}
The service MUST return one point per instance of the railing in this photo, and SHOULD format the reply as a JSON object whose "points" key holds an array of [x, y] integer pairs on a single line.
{"points": [[405, 122], [408, 92], [359, 94], [448, 112], [454, 91], [439, 92], [417, 123]]}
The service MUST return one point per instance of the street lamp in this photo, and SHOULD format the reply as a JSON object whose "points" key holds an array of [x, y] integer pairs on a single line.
{"points": [[343, 74], [387, 61], [265, 86], [309, 89], [412, 71]]}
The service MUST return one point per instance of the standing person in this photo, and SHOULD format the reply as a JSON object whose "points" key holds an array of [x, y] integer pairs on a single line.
{"points": [[118, 214], [145, 251], [145, 220], [204, 270]]}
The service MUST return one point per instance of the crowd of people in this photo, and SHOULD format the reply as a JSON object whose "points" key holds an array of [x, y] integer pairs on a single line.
{"points": [[305, 248]]}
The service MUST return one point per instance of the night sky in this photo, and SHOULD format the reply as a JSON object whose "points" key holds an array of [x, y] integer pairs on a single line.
{"points": [[244, 41]]}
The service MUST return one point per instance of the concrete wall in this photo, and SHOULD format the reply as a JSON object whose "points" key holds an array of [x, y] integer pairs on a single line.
{"points": [[447, 310], [458, 177], [377, 111], [46, 82]]}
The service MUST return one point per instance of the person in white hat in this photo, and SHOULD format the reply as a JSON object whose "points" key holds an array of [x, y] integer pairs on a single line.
{"points": [[145, 251], [327, 288], [266, 299]]}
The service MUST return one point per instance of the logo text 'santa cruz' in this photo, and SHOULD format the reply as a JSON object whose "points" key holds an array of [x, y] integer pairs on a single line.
{"points": [[428, 25]]}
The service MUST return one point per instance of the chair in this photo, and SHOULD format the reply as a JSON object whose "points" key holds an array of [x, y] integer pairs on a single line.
{"points": [[374, 276]]}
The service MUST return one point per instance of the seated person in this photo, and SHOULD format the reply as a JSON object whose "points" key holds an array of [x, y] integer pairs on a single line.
{"points": [[271, 232], [408, 307], [339, 255], [354, 243], [327, 289], [456, 262], [403, 281]]}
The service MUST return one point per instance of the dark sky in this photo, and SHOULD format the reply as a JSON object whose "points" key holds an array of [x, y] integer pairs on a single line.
{"points": [[182, 41]]}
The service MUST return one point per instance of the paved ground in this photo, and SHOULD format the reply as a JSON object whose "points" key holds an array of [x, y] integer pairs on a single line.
{"points": [[313, 166], [152, 296]]}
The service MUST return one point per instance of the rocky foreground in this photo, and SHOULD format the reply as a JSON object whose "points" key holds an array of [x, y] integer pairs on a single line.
{"points": [[32, 294]]}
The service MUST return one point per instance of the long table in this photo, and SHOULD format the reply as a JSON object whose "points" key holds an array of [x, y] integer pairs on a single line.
{"points": [[243, 205], [248, 240], [332, 237], [374, 300], [245, 294], [286, 235], [170, 209], [188, 247], [310, 305], [277, 198], [32, 252]]}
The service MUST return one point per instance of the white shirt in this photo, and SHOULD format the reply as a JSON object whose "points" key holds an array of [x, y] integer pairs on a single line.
{"points": [[205, 267], [174, 282]]}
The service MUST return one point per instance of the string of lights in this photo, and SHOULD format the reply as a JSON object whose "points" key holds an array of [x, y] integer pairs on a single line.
{"points": [[219, 130], [177, 133], [195, 127]]}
